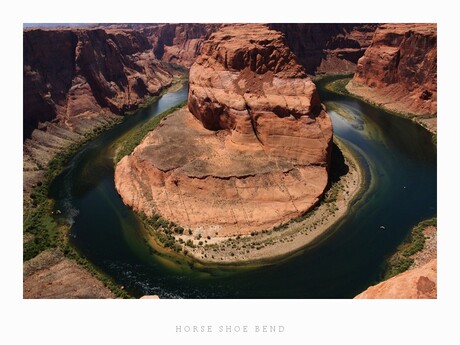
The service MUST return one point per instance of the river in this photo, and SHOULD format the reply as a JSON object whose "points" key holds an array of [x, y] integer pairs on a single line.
{"points": [[400, 163]]}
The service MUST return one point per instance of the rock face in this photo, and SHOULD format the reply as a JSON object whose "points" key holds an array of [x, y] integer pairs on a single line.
{"points": [[90, 71], [251, 152], [399, 69], [173, 43], [327, 48], [419, 282], [180, 43], [76, 80], [112, 68]]}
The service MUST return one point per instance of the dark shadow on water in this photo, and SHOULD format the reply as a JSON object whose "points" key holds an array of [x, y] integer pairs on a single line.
{"points": [[338, 167]]}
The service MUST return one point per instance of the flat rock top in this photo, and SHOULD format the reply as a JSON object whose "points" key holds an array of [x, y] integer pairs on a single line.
{"points": [[181, 142]]}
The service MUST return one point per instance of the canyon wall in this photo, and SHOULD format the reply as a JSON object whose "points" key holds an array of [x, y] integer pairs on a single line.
{"points": [[180, 43], [327, 48], [399, 71], [173, 43], [78, 79], [80, 73], [112, 68], [251, 152]]}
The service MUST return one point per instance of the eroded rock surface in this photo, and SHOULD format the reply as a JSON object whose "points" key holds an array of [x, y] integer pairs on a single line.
{"points": [[80, 73], [399, 69], [251, 152], [76, 80]]}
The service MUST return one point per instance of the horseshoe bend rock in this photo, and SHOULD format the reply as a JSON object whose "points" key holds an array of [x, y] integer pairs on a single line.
{"points": [[251, 151]]}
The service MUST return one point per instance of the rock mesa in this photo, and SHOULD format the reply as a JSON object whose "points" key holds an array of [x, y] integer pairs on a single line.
{"points": [[250, 152]]}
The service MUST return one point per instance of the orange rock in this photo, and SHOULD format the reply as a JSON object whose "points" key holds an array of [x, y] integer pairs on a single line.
{"points": [[254, 154], [249, 82], [90, 71], [399, 69], [416, 283]]}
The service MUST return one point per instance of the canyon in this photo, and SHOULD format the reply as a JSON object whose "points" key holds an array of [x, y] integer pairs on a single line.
{"points": [[399, 71], [255, 138], [254, 131], [100, 72]]}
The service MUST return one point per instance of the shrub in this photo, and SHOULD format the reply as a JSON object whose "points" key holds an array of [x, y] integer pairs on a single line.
{"points": [[179, 230]]}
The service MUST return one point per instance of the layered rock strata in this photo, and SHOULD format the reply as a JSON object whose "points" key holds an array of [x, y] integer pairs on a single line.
{"points": [[251, 151], [90, 71], [180, 43], [399, 70], [77, 80]]}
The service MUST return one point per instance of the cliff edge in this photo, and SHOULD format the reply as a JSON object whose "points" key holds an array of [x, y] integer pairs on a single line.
{"points": [[399, 71]]}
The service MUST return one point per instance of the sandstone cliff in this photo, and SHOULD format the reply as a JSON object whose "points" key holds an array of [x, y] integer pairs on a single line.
{"points": [[327, 48], [173, 43], [399, 70], [76, 80], [81, 73], [255, 151], [180, 43]]}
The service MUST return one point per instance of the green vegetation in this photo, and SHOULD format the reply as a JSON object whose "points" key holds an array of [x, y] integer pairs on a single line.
{"points": [[402, 259], [338, 86], [40, 223], [38, 217], [40, 227], [136, 137], [71, 253]]}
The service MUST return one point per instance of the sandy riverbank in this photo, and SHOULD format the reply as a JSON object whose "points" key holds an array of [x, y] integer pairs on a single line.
{"points": [[282, 241]]}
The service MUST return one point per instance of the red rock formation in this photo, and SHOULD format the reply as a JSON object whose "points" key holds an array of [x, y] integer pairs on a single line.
{"points": [[180, 43], [419, 282], [327, 48], [90, 71], [111, 68], [244, 80], [399, 69], [262, 156], [173, 43]]}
